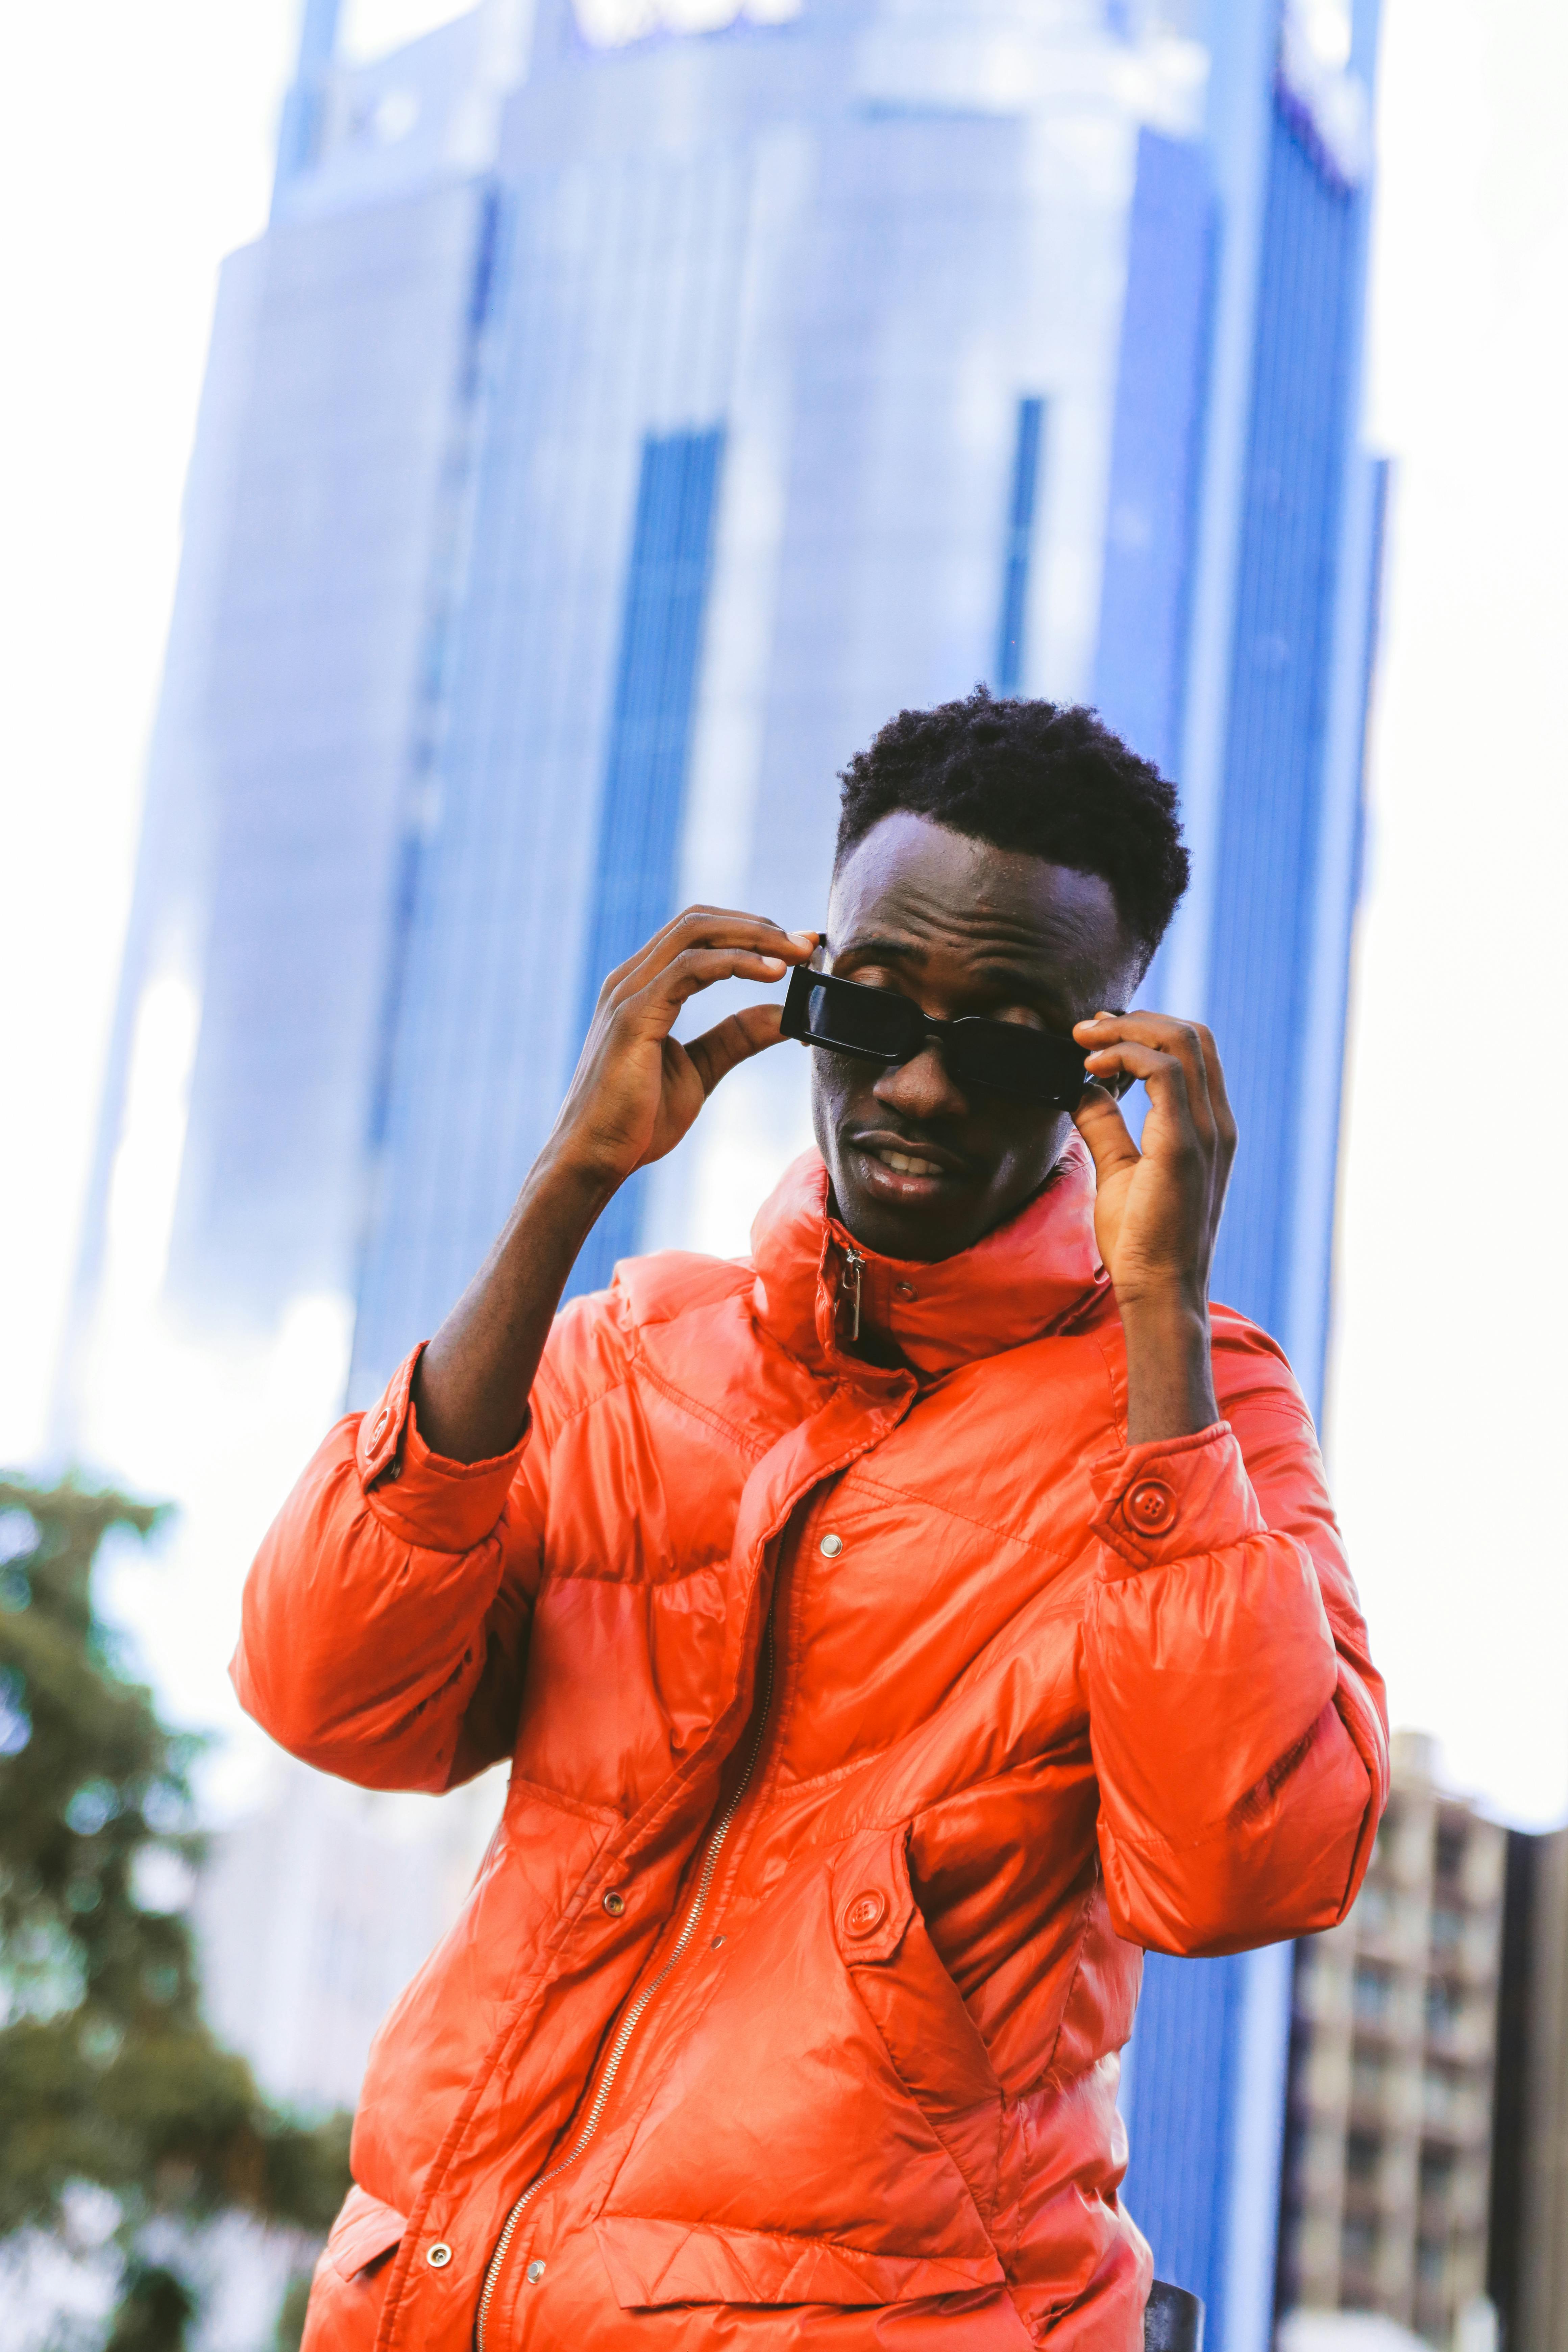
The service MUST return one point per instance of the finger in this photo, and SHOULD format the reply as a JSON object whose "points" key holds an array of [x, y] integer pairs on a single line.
{"points": [[700, 928], [720, 1050], [722, 926], [707, 927], [1166, 1081], [1219, 1097], [683, 925], [1182, 1040], [1103, 1128], [695, 969]]}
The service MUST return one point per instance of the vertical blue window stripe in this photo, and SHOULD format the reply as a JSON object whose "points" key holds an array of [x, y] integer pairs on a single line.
{"points": [[1281, 659], [649, 749], [1156, 445], [1020, 533], [299, 133], [1187, 2081], [1181, 2130], [435, 673]]}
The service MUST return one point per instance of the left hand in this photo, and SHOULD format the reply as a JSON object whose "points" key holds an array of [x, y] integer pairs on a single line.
{"points": [[1157, 1208]]}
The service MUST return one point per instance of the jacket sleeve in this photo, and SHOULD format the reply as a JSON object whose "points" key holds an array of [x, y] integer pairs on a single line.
{"points": [[1238, 1727], [384, 1622]]}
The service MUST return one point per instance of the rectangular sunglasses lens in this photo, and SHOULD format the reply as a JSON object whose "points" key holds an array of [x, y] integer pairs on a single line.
{"points": [[840, 1014], [1018, 1061]]}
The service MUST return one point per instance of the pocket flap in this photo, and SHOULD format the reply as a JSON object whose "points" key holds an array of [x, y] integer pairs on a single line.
{"points": [[652, 2264], [363, 2231]]}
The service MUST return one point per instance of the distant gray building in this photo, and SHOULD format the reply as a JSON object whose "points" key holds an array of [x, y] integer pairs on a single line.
{"points": [[1394, 2050], [622, 415]]}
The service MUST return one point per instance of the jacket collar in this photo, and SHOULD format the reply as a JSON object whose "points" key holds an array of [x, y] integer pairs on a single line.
{"points": [[1029, 1277]]}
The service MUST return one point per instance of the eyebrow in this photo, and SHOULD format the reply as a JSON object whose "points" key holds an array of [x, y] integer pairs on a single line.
{"points": [[1012, 975], [906, 951], [1027, 986]]}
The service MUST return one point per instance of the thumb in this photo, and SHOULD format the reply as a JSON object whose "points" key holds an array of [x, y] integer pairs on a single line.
{"points": [[715, 1055], [1099, 1120]]}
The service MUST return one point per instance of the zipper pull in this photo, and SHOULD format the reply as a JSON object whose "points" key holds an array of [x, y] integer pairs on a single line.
{"points": [[854, 1267]]}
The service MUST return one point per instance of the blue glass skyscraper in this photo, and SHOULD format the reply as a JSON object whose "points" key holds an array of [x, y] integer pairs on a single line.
{"points": [[615, 425]]}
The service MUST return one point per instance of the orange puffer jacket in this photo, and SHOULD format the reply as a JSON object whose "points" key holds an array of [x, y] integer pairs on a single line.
{"points": [[864, 1725]]}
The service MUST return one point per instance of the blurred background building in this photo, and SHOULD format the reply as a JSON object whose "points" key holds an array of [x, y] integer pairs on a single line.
{"points": [[1527, 2258], [1391, 2065], [629, 406], [1426, 2182]]}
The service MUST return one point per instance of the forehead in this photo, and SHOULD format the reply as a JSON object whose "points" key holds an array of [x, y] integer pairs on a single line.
{"points": [[946, 893]]}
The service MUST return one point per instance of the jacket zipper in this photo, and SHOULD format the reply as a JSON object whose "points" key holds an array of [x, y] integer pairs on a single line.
{"points": [[632, 2016], [854, 1267]]}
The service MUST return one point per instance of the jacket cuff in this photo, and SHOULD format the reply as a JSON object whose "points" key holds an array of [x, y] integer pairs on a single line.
{"points": [[440, 1505], [1172, 1496]]}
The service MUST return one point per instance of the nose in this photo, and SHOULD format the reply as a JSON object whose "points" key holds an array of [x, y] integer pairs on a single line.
{"points": [[921, 1089]]}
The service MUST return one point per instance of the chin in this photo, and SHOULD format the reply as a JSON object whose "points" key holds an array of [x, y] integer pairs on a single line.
{"points": [[922, 1228]]}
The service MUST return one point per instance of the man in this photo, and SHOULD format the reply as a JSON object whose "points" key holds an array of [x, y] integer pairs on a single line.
{"points": [[893, 1635]]}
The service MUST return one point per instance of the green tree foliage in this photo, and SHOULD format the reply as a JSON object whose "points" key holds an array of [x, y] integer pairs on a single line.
{"points": [[154, 2310], [107, 2072]]}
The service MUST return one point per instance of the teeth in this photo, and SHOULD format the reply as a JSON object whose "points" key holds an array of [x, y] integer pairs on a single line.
{"points": [[903, 1164]]}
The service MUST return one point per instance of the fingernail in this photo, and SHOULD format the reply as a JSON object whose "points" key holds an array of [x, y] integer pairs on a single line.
{"points": [[805, 939], [777, 963]]}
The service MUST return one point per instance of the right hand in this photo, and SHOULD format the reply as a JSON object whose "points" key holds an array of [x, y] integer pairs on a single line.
{"points": [[637, 1091]]}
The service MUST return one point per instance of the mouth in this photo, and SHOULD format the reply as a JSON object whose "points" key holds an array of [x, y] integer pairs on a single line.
{"points": [[899, 1171], [903, 1164]]}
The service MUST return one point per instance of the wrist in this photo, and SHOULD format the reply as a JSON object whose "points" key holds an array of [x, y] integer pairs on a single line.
{"points": [[573, 1179], [1170, 1375], [1165, 1309]]}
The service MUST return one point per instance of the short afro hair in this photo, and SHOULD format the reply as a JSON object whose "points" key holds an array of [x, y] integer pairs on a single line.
{"points": [[1046, 778]]}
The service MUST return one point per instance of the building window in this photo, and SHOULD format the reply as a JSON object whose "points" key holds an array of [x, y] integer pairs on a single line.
{"points": [[1020, 533], [1359, 2245], [1443, 2008], [1372, 1992], [1447, 1930], [1373, 1910]]}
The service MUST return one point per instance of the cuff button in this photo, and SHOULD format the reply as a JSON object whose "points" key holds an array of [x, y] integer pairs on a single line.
{"points": [[865, 1914], [1151, 1507]]}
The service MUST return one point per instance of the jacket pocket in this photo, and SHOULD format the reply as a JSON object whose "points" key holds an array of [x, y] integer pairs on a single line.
{"points": [[933, 2044], [653, 2263], [812, 2103], [362, 2232]]}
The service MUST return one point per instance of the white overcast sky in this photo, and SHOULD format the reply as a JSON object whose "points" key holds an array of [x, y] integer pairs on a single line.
{"points": [[135, 149]]}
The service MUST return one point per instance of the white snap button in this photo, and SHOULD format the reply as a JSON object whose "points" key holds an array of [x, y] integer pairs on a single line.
{"points": [[534, 2272], [439, 2255], [831, 1546]]}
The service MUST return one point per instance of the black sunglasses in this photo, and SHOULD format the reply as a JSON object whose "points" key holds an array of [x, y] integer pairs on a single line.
{"points": [[847, 1017]]}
